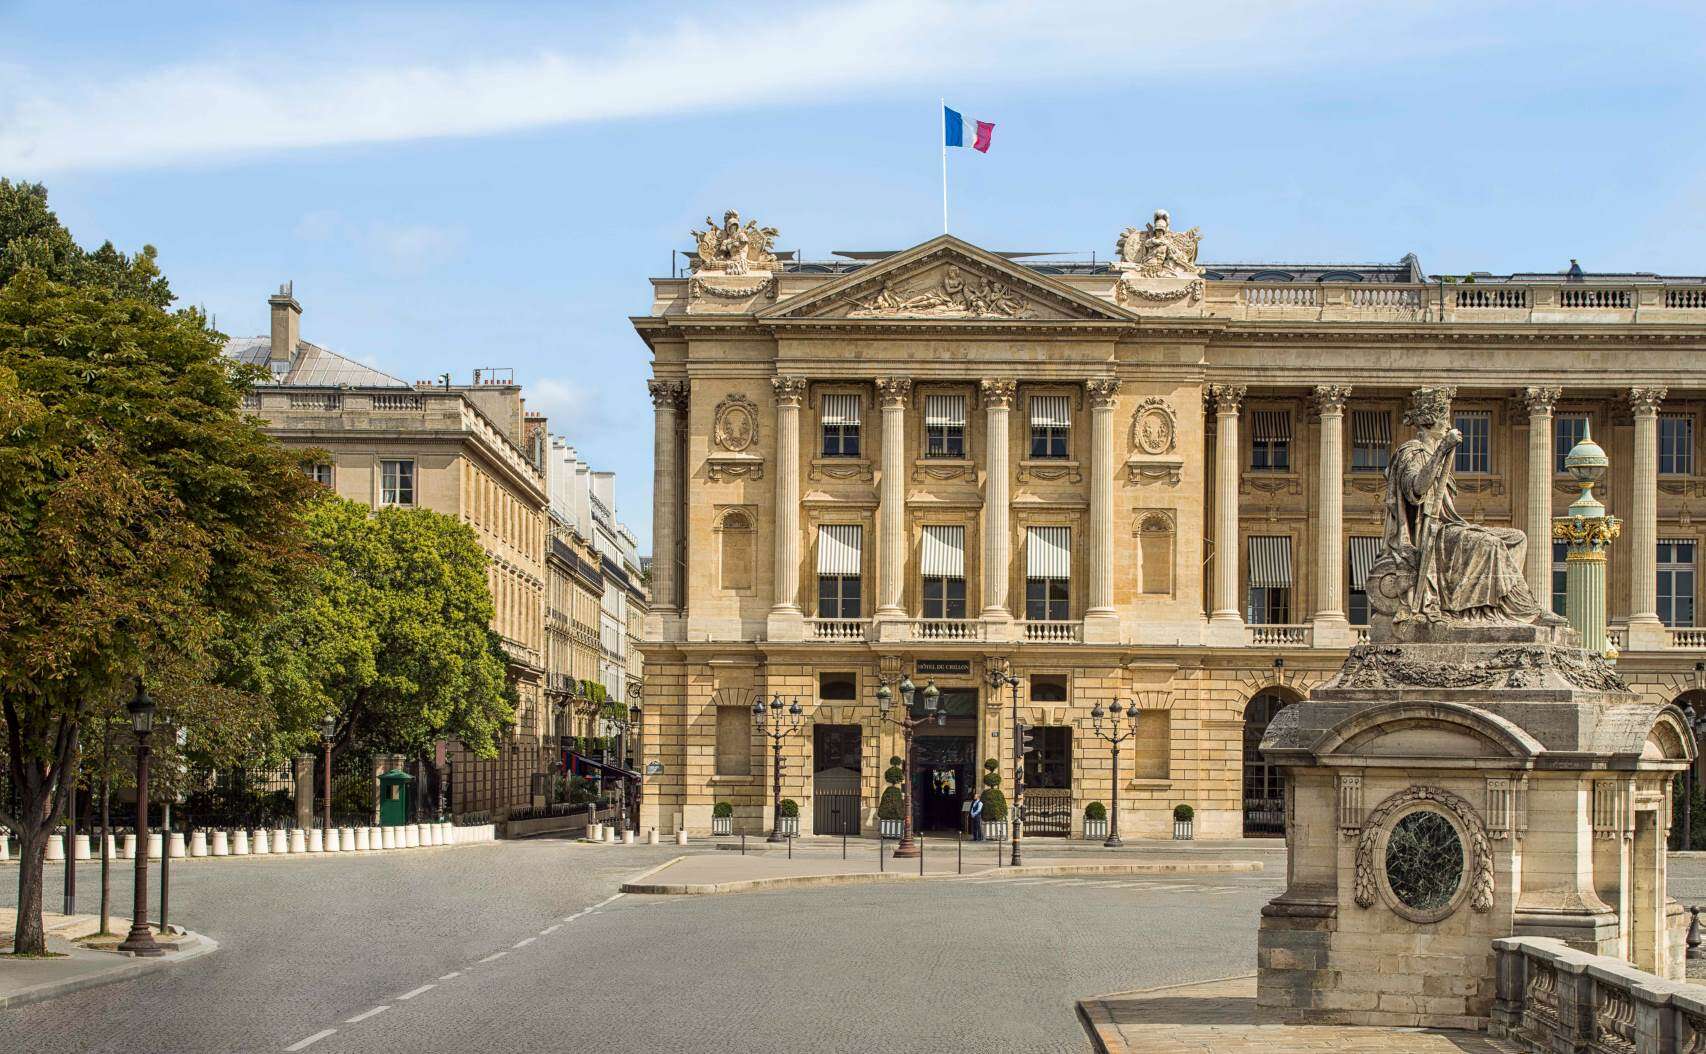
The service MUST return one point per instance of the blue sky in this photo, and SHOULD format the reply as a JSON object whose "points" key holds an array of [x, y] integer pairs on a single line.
{"points": [[456, 186]]}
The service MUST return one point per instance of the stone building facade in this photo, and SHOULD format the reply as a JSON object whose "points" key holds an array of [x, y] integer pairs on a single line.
{"points": [[1147, 480]]}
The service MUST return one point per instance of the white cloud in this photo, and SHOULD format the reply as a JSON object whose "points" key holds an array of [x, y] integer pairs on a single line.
{"points": [[210, 111]]}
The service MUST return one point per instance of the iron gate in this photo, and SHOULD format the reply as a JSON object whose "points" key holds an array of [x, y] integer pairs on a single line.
{"points": [[1048, 813], [835, 811]]}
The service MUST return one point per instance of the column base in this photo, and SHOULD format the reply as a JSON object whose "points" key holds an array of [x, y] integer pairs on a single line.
{"points": [[1225, 630], [1101, 627], [1332, 631], [890, 628], [998, 626], [785, 624], [665, 625], [1645, 634]]}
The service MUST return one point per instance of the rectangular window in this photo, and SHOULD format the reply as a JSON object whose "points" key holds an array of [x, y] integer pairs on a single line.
{"points": [[1362, 550], [1371, 440], [945, 426], [320, 472], [1048, 687], [838, 687], [1270, 441], [1269, 598], [1676, 445], [1560, 575], [1051, 425], [1047, 599], [1048, 573], [840, 425], [944, 597], [1676, 581], [838, 596], [734, 741], [1049, 763], [1475, 453], [397, 483], [839, 548], [1567, 431]]}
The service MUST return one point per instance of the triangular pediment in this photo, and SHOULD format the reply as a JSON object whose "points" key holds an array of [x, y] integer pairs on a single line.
{"points": [[949, 280]]}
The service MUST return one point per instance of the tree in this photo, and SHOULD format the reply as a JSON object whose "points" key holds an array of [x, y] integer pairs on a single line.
{"points": [[391, 632], [140, 510]]}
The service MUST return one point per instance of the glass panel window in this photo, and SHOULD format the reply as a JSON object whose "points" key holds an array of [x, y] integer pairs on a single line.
{"points": [[1369, 457], [1051, 425], [397, 483], [1269, 605], [944, 440], [944, 597], [320, 473], [1475, 453], [1560, 575], [1676, 583], [837, 596], [1371, 440], [1358, 613], [1270, 441], [840, 440], [1046, 599], [1049, 763], [1567, 431], [1048, 441], [1676, 445], [1048, 687]]}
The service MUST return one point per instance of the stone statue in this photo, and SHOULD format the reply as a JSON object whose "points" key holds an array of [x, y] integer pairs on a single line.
{"points": [[1158, 251], [1434, 566], [732, 248]]}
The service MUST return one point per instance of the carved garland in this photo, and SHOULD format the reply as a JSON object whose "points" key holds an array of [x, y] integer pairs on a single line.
{"points": [[1480, 853]]}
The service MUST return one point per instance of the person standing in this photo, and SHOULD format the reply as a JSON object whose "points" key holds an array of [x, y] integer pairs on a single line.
{"points": [[977, 819]]}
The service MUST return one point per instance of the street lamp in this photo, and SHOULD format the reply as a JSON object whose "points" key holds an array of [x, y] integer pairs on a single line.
{"points": [[328, 729], [999, 678], [906, 722], [777, 725], [140, 940], [1117, 715]]}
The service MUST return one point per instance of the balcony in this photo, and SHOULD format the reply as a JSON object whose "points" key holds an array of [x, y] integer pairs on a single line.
{"points": [[1686, 637], [1279, 635], [1051, 632], [848, 629], [940, 629]]}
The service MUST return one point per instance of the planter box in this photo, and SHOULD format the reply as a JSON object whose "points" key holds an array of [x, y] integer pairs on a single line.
{"points": [[788, 825], [1182, 830], [722, 825], [890, 828], [995, 830], [1096, 830]]}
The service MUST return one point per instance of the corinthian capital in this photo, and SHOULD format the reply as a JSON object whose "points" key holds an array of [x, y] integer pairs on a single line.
{"points": [[667, 394], [1644, 402], [1103, 391], [998, 393], [894, 390], [790, 391], [1226, 398], [1540, 401], [1330, 398]]}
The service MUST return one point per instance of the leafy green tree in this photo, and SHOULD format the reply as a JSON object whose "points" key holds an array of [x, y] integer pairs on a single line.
{"points": [[140, 509]]}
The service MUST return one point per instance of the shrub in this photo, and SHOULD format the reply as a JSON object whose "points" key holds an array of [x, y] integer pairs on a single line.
{"points": [[1183, 813], [991, 772], [994, 805], [894, 775], [722, 809], [890, 806], [1095, 811], [788, 807]]}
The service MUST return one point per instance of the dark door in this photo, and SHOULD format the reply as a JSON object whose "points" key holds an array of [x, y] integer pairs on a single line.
{"points": [[835, 779], [943, 768], [1264, 784]]}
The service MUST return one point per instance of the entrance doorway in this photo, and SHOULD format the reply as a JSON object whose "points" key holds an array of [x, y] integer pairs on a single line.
{"points": [[1264, 784], [944, 770], [836, 760]]}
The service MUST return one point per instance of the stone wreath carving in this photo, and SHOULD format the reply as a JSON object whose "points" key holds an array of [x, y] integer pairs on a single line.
{"points": [[1394, 666], [737, 422], [1379, 822], [1153, 427]]}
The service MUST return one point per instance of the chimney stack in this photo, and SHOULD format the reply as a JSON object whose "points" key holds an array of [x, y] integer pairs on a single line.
{"points": [[286, 326]]}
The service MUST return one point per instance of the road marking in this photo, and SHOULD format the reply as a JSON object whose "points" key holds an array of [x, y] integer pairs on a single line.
{"points": [[453, 973], [365, 1014], [406, 996], [548, 930], [304, 1044], [524, 942], [494, 957], [603, 902]]}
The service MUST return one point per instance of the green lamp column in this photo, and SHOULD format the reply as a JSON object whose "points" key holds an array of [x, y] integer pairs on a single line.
{"points": [[1589, 532]]}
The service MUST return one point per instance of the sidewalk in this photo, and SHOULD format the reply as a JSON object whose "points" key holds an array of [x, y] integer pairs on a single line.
{"points": [[30, 980], [1222, 1017]]}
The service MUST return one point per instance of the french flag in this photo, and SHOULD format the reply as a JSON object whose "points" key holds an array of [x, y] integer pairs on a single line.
{"points": [[956, 128]]}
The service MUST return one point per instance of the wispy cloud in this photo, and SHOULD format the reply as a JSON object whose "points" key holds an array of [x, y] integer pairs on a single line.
{"points": [[204, 111]]}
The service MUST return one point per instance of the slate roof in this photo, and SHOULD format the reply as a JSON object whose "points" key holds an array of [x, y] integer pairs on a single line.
{"points": [[313, 366]]}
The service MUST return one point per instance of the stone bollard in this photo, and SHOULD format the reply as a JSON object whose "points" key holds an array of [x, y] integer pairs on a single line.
{"points": [[5, 847], [261, 841], [80, 846], [198, 843], [316, 841], [627, 837], [112, 848], [591, 831], [221, 844], [681, 836], [449, 832], [361, 845], [388, 838], [129, 852], [298, 840], [55, 848], [334, 840], [411, 836], [346, 840], [176, 844], [280, 841], [154, 845], [434, 834], [240, 842], [651, 836]]}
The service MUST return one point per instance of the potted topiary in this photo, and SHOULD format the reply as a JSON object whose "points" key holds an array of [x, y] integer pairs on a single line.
{"points": [[788, 811], [994, 802], [892, 806], [722, 818], [1096, 821], [1183, 815]]}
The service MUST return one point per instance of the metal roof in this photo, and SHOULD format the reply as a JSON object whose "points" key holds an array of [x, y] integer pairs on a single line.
{"points": [[312, 366]]}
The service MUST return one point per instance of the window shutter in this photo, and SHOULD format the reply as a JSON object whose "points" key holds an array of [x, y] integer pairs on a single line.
{"points": [[945, 410], [944, 552], [1048, 552], [838, 548], [1270, 562], [1051, 411]]}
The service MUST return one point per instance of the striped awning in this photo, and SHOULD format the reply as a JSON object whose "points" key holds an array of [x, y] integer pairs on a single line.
{"points": [[1048, 552], [1270, 561], [944, 552], [945, 410], [1362, 557], [838, 548], [1371, 428], [1051, 411], [1267, 426], [841, 409]]}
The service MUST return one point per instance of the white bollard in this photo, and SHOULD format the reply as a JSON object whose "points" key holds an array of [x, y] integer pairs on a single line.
{"points": [[361, 839], [221, 844], [316, 841], [449, 832], [333, 841], [198, 843], [375, 838], [55, 847], [388, 838], [5, 847], [280, 841], [681, 836], [129, 846], [80, 846], [154, 846], [651, 836], [298, 840], [627, 837], [346, 839], [240, 842], [434, 835], [262, 842], [411, 836], [112, 848], [176, 844]]}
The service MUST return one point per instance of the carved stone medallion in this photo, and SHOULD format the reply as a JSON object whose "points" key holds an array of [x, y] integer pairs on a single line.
{"points": [[1373, 880], [736, 422], [1154, 429]]}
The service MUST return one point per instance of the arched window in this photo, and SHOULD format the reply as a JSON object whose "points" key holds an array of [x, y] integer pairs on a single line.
{"points": [[736, 541], [1264, 783]]}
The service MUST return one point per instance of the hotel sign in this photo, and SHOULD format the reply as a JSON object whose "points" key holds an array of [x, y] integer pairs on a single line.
{"points": [[943, 668]]}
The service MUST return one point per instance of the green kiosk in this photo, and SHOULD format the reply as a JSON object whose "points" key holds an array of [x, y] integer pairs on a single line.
{"points": [[394, 798]]}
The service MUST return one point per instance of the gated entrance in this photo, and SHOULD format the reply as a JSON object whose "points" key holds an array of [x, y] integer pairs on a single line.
{"points": [[836, 758], [1264, 786], [1048, 783]]}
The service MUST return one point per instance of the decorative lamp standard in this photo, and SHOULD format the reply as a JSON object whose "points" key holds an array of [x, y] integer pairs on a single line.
{"points": [[1588, 533], [777, 725], [1000, 678], [328, 731], [906, 722], [140, 940], [635, 715], [1114, 735]]}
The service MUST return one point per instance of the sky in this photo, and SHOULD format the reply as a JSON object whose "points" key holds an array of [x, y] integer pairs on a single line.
{"points": [[457, 186]]}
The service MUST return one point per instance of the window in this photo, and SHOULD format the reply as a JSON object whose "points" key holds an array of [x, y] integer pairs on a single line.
{"points": [[1270, 441], [942, 562], [1048, 574], [1676, 581], [1269, 600], [1567, 431], [944, 426], [1475, 453], [736, 539], [1676, 445], [840, 425], [734, 741], [1371, 440], [944, 597], [1152, 744], [1155, 556], [320, 472], [1362, 550], [1560, 576], [1048, 687], [838, 563], [397, 483], [840, 687], [1049, 764], [1051, 425], [837, 596]]}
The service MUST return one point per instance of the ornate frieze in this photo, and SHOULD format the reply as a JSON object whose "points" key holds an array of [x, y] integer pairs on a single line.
{"points": [[1154, 428], [1157, 264], [1394, 666], [951, 292], [1350, 805]]}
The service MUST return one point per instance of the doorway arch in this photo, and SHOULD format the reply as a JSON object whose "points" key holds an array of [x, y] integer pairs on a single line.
{"points": [[1263, 783]]}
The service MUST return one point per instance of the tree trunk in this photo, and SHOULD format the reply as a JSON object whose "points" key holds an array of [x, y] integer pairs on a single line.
{"points": [[32, 845]]}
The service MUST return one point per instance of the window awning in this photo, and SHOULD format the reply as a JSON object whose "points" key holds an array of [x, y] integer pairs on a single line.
{"points": [[838, 548], [840, 409], [1269, 426], [1371, 428], [1051, 411], [944, 552], [1270, 562], [1048, 552], [945, 410], [1362, 557]]}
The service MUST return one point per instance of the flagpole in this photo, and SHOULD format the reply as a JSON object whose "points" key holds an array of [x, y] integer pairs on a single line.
{"points": [[944, 112]]}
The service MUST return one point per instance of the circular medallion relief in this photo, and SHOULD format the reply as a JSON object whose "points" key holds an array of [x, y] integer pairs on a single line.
{"points": [[737, 425], [1425, 862], [1153, 431]]}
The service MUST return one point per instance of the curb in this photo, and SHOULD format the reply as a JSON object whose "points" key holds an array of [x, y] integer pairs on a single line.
{"points": [[1206, 867], [124, 970]]}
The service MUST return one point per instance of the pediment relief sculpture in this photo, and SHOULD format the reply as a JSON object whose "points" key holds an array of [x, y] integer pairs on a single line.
{"points": [[948, 292], [1158, 265]]}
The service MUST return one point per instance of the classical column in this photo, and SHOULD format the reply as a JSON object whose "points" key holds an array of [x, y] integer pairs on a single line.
{"points": [[997, 498], [669, 398], [1332, 629], [1101, 622], [1538, 570], [1645, 630], [1226, 621], [785, 617], [891, 498]]}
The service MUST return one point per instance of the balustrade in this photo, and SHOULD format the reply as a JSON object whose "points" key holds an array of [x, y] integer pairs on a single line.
{"points": [[1273, 635], [1685, 637], [837, 628], [1282, 296], [1483, 298], [1052, 632], [1592, 298], [1552, 997]]}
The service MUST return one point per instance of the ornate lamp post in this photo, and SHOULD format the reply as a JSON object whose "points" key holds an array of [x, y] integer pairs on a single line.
{"points": [[140, 940], [906, 722], [1118, 716], [1589, 532], [1000, 678], [777, 724], [328, 730]]}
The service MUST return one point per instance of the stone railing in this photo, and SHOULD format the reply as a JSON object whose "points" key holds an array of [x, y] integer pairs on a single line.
{"points": [[1685, 637], [836, 628], [1359, 634], [1551, 997], [944, 629], [1051, 632], [1617, 636], [1276, 635]]}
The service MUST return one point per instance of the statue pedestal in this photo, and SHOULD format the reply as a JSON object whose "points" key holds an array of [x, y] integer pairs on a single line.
{"points": [[1464, 783]]}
